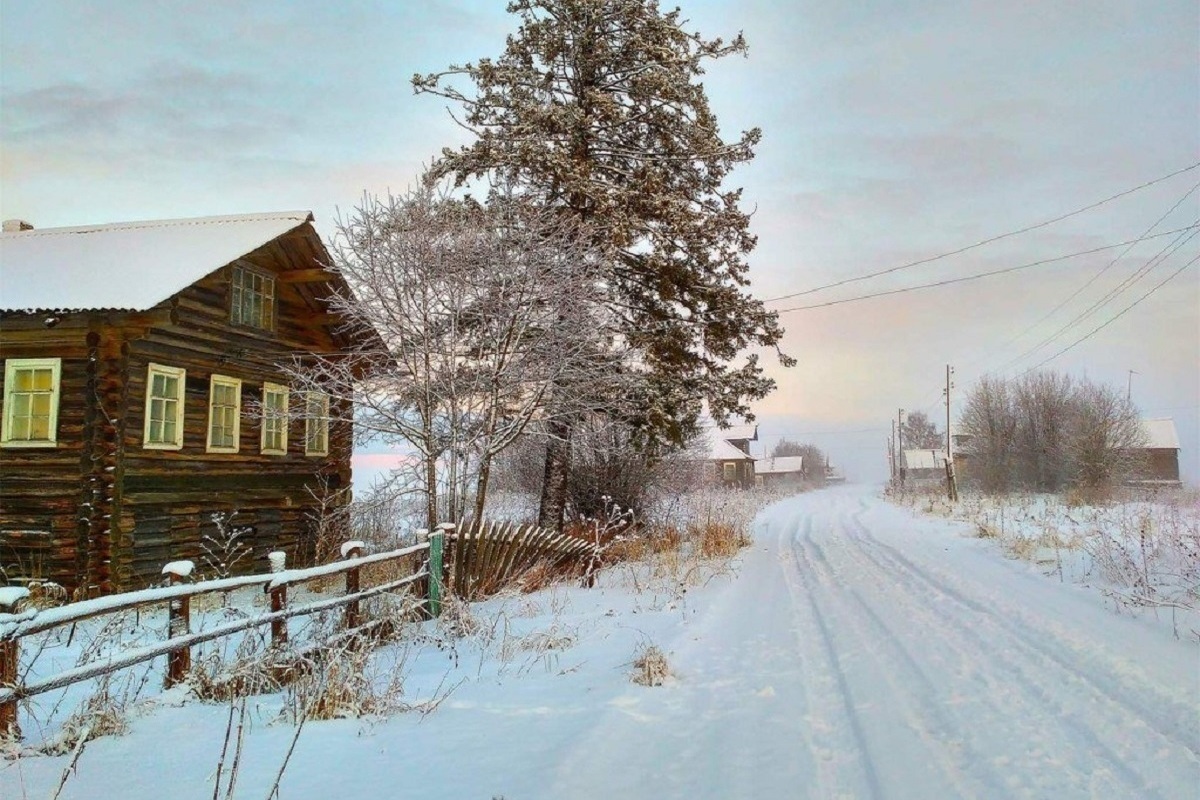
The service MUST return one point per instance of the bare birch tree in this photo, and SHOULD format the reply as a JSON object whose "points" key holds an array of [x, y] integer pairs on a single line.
{"points": [[1046, 432], [468, 314]]}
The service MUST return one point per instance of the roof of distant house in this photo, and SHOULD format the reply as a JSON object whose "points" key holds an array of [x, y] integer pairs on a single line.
{"points": [[722, 450], [126, 265], [779, 466], [748, 431], [1161, 434], [925, 459]]}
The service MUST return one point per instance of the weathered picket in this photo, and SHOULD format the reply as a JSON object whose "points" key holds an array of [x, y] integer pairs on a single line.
{"points": [[180, 639], [488, 556]]}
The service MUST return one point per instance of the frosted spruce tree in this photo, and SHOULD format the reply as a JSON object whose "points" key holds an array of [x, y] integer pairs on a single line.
{"points": [[596, 108]]}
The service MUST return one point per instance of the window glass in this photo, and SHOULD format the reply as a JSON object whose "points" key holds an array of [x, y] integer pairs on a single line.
{"points": [[164, 407], [275, 418], [31, 392]]}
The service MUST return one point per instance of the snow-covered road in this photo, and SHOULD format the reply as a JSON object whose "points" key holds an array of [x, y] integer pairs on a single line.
{"points": [[856, 651], [864, 653]]}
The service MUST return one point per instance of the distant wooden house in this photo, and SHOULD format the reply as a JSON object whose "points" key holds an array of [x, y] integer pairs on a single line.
{"points": [[923, 465], [729, 455], [779, 471], [141, 394], [1160, 458]]}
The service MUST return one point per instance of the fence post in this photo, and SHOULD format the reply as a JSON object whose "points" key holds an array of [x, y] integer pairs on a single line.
{"points": [[279, 635], [179, 623], [352, 550], [437, 567], [9, 598]]}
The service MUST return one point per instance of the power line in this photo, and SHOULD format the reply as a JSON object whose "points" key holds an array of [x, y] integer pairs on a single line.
{"points": [[821, 433], [987, 241], [979, 275], [1116, 317], [1077, 292], [1160, 257]]}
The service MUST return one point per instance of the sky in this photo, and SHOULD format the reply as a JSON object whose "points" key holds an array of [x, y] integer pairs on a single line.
{"points": [[892, 132]]}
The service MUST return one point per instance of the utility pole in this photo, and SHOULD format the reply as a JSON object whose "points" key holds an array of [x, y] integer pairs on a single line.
{"points": [[1129, 386], [892, 451], [900, 445], [951, 485]]}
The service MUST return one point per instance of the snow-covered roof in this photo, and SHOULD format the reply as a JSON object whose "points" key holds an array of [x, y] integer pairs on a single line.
{"points": [[723, 451], [748, 431], [1161, 434], [126, 265], [778, 466], [925, 459]]}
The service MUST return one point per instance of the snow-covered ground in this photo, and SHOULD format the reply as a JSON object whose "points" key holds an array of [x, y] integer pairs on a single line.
{"points": [[854, 650]]}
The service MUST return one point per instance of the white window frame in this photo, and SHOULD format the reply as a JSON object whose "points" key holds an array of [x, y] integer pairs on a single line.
{"points": [[729, 471], [318, 423], [170, 372], [238, 279], [236, 385], [11, 367], [268, 419]]}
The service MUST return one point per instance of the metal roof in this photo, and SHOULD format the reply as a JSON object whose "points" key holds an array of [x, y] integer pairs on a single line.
{"points": [[748, 431], [126, 265], [779, 465], [1161, 434], [925, 459], [722, 450]]}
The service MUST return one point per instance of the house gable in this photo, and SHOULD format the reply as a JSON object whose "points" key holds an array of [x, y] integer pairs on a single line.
{"points": [[106, 507]]}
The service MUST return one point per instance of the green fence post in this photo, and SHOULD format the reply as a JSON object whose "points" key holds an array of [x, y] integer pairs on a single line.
{"points": [[435, 572]]}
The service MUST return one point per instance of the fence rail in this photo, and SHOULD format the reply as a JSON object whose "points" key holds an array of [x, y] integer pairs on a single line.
{"points": [[177, 597], [472, 563]]}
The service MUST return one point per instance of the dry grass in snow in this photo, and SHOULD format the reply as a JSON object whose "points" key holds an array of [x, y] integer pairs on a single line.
{"points": [[1142, 551]]}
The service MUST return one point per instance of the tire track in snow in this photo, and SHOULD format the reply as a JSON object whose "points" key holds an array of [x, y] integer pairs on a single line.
{"points": [[1027, 665], [985, 655], [951, 751], [851, 715], [1163, 715]]}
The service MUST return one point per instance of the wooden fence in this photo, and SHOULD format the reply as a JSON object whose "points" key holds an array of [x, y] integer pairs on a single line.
{"points": [[486, 557], [472, 564], [177, 597]]}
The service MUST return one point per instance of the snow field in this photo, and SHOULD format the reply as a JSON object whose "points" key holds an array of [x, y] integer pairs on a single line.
{"points": [[853, 650]]}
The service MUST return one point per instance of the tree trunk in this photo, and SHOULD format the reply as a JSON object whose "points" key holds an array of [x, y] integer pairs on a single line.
{"points": [[554, 482], [431, 492]]}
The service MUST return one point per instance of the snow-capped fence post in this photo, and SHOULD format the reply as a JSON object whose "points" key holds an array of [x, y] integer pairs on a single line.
{"points": [[179, 610], [9, 598], [279, 635], [350, 551]]}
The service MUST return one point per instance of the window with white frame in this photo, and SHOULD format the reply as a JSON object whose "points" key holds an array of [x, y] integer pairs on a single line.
{"points": [[316, 424], [275, 419], [252, 298], [31, 391], [164, 407], [224, 414], [730, 470]]}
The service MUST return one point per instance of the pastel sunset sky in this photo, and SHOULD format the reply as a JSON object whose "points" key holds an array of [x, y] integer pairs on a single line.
{"points": [[892, 132]]}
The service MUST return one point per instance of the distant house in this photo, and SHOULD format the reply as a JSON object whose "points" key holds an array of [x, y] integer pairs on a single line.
{"points": [[924, 464], [142, 394], [1160, 457], [730, 457], [779, 471]]}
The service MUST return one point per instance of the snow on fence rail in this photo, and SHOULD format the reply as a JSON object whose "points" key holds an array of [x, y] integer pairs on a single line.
{"points": [[180, 639], [481, 559]]}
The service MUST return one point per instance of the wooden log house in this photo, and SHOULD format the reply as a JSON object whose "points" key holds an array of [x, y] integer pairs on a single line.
{"points": [[142, 394]]}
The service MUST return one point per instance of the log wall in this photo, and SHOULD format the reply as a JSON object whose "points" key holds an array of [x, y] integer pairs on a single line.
{"points": [[101, 511]]}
